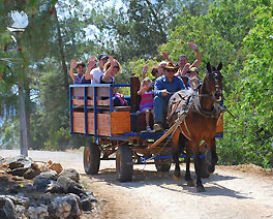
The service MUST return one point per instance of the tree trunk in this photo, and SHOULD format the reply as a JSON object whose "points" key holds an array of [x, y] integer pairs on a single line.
{"points": [[62, 56]]}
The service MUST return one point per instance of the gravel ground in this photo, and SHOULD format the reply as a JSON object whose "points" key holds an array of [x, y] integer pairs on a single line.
{"points": [[232, 192]]}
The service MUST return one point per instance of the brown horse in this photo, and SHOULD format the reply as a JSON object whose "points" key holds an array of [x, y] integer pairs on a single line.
{"points": [[196, 134]]}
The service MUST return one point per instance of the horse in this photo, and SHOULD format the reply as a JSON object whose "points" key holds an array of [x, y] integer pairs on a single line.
{"points": [[196, 134]]}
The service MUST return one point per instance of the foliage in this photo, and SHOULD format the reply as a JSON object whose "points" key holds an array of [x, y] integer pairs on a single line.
{"points": [[252, 98], [236, 32]]}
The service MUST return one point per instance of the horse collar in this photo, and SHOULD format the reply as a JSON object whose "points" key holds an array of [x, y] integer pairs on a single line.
{"points": [[213, 113]]}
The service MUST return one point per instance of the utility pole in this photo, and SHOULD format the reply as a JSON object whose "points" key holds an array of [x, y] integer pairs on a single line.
{"points": [[20, 22]]}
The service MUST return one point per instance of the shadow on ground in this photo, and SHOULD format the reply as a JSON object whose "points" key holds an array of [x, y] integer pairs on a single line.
{"points": [[165, 181]]}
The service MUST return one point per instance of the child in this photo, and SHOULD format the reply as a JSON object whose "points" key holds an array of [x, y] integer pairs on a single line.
{"points": [[147, 100]]}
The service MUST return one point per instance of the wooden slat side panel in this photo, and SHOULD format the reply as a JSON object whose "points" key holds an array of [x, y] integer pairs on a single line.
{"points": [[220, 124], [78, 91], [104, 124], [78, 122], [90, 92], [103, 91], [120, 122], [78, 102], [90, 123]]}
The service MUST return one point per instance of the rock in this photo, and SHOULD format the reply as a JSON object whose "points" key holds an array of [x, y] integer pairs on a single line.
{"points": [[87, 201], [1, 160], [17, 178], [19, 200], [31, 173], [71, 173], [50, 174], [18, 165], [41, 184], [54, 187], [38, 212], [69, 185], [58, 208], [64, 207], [7, 208], [56, 167], [19, 161], [14, 189], [74, 201], [18, 171]]}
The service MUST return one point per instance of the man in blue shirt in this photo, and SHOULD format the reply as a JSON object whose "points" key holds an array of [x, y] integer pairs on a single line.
{"points": [[165, 87]]}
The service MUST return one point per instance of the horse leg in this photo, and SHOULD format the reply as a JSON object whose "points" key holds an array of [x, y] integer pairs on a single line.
{"points": [[188, 178], [214, 157], [178, 150], [177, 173], [197, 163]]}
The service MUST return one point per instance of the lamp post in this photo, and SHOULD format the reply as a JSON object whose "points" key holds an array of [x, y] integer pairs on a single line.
{"points": [[20, 22]]}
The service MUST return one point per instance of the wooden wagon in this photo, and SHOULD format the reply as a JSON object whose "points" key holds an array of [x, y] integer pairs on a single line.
{"points": [[118, 132]]}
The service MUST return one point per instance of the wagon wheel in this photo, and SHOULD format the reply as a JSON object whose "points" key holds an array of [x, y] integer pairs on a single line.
{"points": [[163, 165], [91, 159], [124, 164]]}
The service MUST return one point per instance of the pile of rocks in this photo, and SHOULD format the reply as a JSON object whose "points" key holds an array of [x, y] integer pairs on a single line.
{"points": [[30, 190]]}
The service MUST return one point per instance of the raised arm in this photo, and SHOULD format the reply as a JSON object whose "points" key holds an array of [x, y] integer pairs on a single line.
{"points": [[144, 71], [142, 89], [166, 57], [73, 65], [90, 65], [198, 60], [107, 75]]}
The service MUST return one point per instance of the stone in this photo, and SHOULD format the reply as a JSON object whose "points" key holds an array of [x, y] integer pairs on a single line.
{"points": [[72, 174], [56, 167], [19, 199], [19, 161], [37, 212], [54, 187], [50, 174], [7, 208], [40, 184], [17, 178], [18, 165], [69, 185], [58, 208], [74, 202], [31, 173], [87, 200], [64, 207]]}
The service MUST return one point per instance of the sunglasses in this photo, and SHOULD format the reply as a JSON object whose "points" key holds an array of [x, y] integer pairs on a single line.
{"points": [[116, 66]]}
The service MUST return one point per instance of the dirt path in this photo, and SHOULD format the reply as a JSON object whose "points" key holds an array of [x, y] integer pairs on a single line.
{"points": [[232, 192]]}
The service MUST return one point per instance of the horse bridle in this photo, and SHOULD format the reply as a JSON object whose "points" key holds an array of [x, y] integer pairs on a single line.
{"points": [[218, 95]]}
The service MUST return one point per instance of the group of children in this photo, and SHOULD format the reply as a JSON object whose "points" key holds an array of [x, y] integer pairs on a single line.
{"points": [[108, 67]]}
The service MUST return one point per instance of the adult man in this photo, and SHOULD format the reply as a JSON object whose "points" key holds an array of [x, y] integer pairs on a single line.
{"points": [[165, 86], [78, 78], [96, 73], [183, 62]]}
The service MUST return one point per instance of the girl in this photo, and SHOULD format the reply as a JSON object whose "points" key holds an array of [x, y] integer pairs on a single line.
{"points": [[147, 100]]}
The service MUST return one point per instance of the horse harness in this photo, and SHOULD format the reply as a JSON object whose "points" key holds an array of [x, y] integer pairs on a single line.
{"points": [[192, 101]]}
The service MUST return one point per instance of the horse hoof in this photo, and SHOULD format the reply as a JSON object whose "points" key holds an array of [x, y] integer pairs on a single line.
{"points": [[200, 189], [190, 183], [211, 169], [176, 178]]}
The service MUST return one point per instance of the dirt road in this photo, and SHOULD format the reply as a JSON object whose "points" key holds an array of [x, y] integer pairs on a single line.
{"points": [[232, 192]]}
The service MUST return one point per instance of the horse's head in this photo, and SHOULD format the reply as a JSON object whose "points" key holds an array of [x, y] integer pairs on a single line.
{"points": [[213, 81]]}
